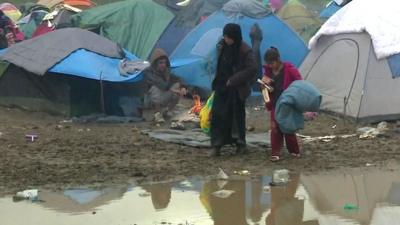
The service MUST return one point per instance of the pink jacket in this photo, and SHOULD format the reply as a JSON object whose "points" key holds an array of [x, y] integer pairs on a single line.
{"points": [[290, 74]]}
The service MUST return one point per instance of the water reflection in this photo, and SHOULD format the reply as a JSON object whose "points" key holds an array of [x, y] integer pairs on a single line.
{"points": [[229, 210], [286, 208], [78, 201], [160, 194], [259, 202], [368, 191], [305, 200]]}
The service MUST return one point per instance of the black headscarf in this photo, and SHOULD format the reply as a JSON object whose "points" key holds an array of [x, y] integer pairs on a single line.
{"points": [[233, 31], [228, 56]]}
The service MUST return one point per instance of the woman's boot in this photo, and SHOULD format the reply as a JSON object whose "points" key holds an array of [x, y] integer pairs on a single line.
{"points": [[215, 152]]}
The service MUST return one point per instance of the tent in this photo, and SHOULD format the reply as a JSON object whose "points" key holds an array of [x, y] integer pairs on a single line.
{"points": [[135, 24], [11, 11], [351, 79], [59, 18], [378, 20], [38, 55], [66, 95], [186, 18], [195, 12], [10, 32], [50, 93], [172, 36], [303, 21], [29, 7], [52, 82], [329, 10], [315, 6], [82, 4], [200, 45], [355, 64], [30, 22]]}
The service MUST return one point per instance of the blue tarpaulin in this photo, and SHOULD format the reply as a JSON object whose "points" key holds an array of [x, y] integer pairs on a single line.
{"points": [[87, 64]]}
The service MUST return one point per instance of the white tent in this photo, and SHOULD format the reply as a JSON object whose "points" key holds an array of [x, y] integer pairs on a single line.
{"points": [[351, 79], [354, 61]]}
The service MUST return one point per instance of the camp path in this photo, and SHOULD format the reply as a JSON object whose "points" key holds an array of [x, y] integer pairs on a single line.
{"points": [[67, 154]]}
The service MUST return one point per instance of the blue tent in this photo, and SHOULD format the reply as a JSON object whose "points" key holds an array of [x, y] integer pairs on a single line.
{"points": [[171, 36], [200, 45], [331, 9]]}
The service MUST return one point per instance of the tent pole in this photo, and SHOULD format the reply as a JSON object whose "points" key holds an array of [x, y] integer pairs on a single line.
{"points": [[103, 108], [344, 110]]}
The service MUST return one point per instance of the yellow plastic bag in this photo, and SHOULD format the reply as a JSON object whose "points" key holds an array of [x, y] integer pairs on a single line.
{"points": [[205, 115]]}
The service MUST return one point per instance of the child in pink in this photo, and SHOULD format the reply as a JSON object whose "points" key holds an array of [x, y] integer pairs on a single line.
{"points": [[279, 75]]}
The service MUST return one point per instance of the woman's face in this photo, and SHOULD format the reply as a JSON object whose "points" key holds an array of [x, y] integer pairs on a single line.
{"points": [[228, 40], [162, 65]]}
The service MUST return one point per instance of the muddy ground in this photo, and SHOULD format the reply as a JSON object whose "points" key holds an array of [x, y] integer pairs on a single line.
{"points": [[71, 154]]}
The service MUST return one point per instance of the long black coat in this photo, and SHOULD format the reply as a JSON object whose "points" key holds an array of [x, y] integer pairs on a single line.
{"points": [[228, 122]]}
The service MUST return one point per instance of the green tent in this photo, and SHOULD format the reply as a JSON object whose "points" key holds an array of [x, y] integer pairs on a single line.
{"points": [[315, 6], [135, 24], [300, 19], [30, 25]]}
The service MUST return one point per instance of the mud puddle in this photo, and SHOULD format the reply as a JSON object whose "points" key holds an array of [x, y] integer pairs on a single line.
{"points": [[324, 199]]}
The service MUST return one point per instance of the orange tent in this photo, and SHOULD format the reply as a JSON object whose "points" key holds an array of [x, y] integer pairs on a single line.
{"points": [[82, 4]]}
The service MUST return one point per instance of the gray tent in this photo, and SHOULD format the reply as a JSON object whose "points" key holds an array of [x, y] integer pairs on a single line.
{"points": [[352, 81], [38, 55], [28, 82]]}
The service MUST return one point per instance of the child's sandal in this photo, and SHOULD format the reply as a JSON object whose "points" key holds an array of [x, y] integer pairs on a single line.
{"points": [[274, 158], [296, 155]]}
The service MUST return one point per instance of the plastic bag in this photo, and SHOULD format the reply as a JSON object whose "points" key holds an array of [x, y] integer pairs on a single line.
{"points": [[205, 115]]}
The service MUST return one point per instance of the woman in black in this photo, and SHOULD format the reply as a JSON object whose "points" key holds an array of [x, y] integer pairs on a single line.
{"points": [[236, 71]]}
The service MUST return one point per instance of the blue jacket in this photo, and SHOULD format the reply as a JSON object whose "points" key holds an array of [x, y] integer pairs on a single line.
{"points": [[301, 96]]}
